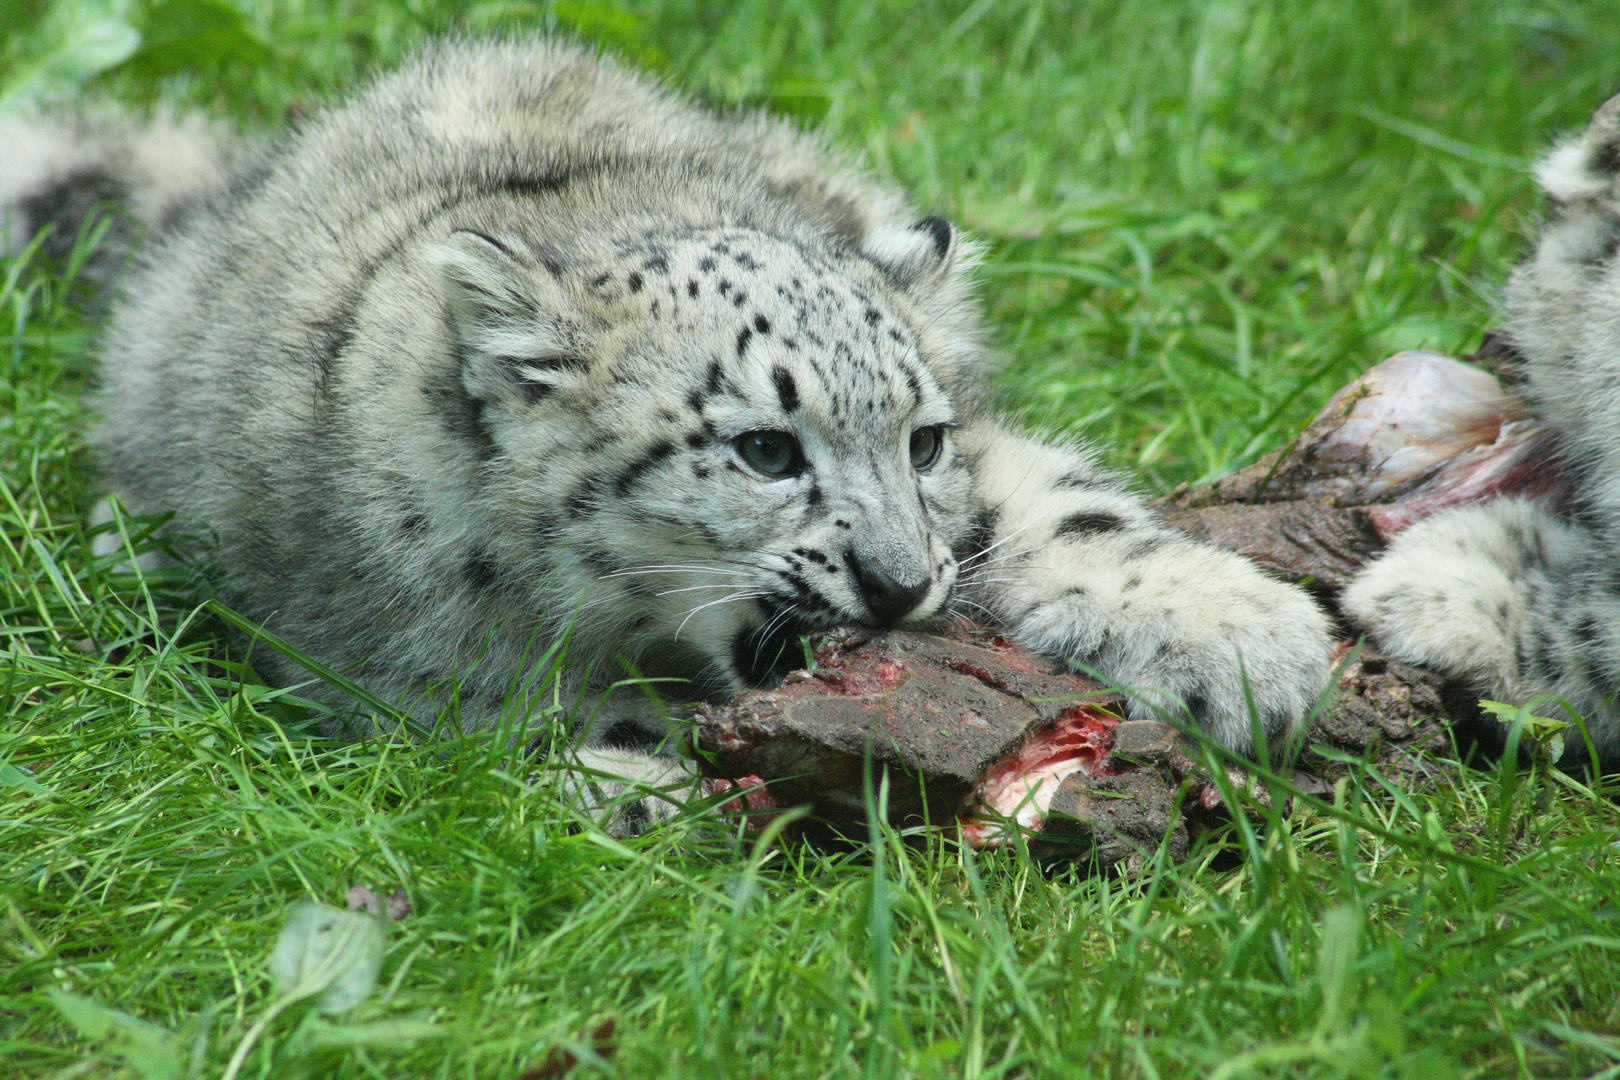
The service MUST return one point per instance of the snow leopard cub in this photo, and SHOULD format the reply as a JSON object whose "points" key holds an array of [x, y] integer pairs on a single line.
{"points": [[1507, 597], [518, 344]]}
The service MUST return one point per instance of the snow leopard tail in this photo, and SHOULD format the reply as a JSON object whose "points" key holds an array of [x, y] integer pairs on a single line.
{"points": [[1508, 597], [62, 172]]}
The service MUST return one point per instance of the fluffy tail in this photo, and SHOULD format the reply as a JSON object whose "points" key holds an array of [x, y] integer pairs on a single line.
{"points": [[60, 170]]}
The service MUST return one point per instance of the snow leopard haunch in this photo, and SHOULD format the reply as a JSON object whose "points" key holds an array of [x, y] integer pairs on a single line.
{"points": [[1517, 601], [517, 344]]}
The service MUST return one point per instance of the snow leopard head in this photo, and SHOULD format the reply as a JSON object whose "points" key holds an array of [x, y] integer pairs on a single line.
{"points": [[706, 442]]}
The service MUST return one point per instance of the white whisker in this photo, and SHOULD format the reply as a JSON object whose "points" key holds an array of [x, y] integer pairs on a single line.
{"points": [[739, 595], [1034, 521], [672, 568], [695, 588]]}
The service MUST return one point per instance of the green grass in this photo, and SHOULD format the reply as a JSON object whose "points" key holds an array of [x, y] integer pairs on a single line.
{"points": [[1202, 218]]}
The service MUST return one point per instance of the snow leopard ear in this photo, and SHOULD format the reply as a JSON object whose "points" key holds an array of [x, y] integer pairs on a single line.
{"points": [[916, 254], [517, 331]]}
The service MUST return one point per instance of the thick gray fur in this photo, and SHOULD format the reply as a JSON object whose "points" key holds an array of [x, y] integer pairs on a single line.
{"points": [[459, 367], [1517, 602]]}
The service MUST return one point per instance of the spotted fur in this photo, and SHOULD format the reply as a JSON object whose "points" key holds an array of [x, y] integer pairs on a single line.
{"points": [[1518, 602], [477, 360]]}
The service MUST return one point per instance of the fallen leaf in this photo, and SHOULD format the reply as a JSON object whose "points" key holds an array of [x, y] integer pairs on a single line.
{"points": [[333, 953]]}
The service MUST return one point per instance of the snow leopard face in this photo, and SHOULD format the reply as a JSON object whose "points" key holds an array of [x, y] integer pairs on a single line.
{"points": [[715, 441]]}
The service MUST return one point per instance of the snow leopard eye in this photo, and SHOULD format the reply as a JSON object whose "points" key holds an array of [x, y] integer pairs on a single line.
{"points": [[771, 453], [926, 443]]}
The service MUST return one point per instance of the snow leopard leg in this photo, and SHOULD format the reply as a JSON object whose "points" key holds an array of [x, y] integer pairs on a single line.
{"points": [[628, 790], [1076, 566], [625, 770], [1506, 599], [1503, 597]]}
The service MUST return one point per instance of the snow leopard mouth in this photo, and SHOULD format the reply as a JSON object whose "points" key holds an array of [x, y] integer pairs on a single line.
{"points": [[766, 651]]}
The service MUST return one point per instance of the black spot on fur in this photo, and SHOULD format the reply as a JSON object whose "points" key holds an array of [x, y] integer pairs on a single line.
{"points": [[1079, 478], [1145, 546], [412, 523], [67, 203], [602, 439], [334, 335], [634, 818], [743, 339], [550, 362], [658, 264], [1547, 663], [582, 500], [1089, 523], [762, 324], [940, 230], [706, 264], [1606, 250], [813, 496], [531, 184], [605, 565], [634, 281], [873, 316], [787, 391], [460, 415], [657, 452], [1607, 159], [534, 391], [479, 569], [1587, 630], [712, 380], [913, 382], [692, 288]]}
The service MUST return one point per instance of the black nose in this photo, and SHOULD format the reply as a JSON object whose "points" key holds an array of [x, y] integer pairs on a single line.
{"points": [[887, 599]]}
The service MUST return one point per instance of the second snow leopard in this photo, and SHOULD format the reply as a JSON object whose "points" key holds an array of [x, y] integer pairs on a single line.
{"points": [[517, 344], [1510, 598]]}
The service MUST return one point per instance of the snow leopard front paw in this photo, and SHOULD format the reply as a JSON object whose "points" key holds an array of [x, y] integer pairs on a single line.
{"points": [[1185, 644], [1453, 592], [628, 792]]}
